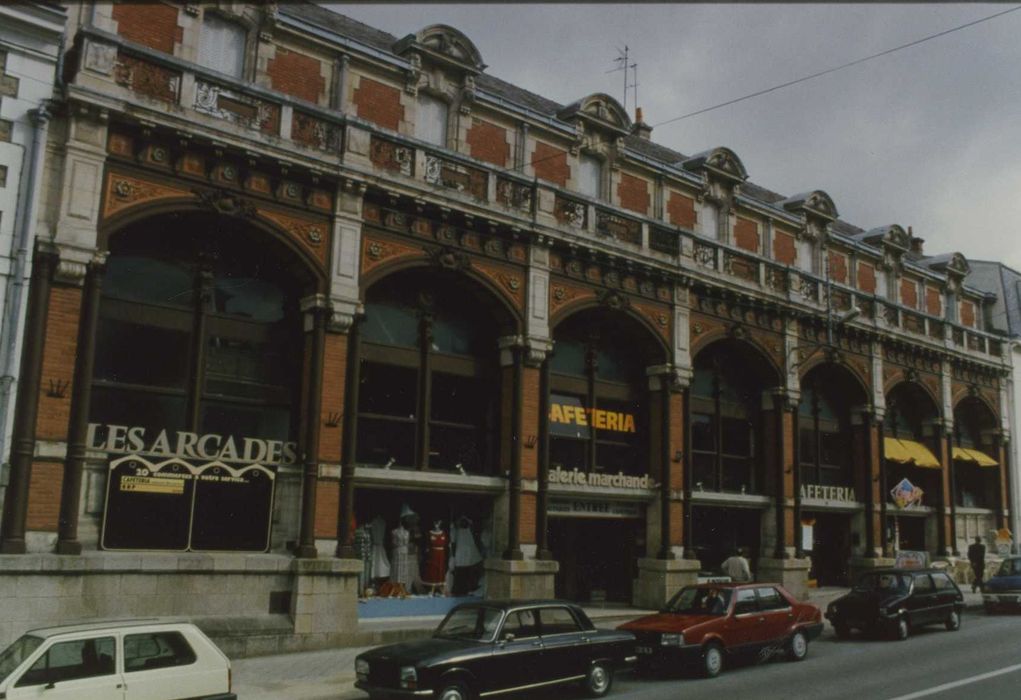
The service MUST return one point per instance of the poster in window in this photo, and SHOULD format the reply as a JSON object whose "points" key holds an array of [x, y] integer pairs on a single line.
{"points": [[148, 508], [232, 509]]}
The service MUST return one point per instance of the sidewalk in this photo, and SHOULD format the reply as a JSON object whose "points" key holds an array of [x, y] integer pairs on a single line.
{"points": [[329, 674]]}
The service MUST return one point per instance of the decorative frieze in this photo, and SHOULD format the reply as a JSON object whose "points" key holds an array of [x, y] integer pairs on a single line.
{"points": [[314, 132], [391, 156], [148, 79], [664, 240], [513, 194], [741, 267], [455, 176], [619, 228], [570, 212], [237, 108]]}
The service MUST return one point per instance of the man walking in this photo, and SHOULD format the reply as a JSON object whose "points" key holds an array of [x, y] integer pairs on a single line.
{"points": [[736, 567], [977, 557]]}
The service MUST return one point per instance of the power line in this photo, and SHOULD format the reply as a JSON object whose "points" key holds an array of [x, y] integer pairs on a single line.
{"points": [[840, 67]]}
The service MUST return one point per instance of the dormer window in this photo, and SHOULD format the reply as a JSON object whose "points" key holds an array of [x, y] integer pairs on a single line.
{"points": [[806, 255], [431, 120], [710, 220], [222, 45], [590, 176]]}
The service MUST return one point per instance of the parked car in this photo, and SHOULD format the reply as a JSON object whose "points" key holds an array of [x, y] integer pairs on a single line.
{"points": [[703, 624], [122, 660], [495, 647], [895, 601], [1003, 590]]}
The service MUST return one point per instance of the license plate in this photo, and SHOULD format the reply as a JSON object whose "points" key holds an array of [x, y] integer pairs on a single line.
{"points": [[643, 650]]}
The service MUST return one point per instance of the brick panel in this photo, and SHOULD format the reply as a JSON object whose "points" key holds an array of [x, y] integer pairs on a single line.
{"points": [[909, 293], [526, 526], [488, 142], [529, 421], [784, 249], [58, 361], [838, 267], [327, 502], [867, 278], [746, 234], [968, 313], [44, 496], [676, 524], [676, 441], [633, 193], [379, 103], [296, 74], [680, 210], [933, 301], [332, 397], [151, 24], [550, 163]]}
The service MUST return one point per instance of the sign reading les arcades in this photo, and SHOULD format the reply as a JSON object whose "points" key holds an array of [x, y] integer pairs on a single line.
{"points": [[125, 439]]}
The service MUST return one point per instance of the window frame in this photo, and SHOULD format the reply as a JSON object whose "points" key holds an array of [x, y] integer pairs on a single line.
{"points": [[426, 98], [217, 16]]}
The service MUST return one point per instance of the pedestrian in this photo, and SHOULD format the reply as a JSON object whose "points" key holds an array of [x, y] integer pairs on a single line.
{"points": [[736, 567], [977, 557]]}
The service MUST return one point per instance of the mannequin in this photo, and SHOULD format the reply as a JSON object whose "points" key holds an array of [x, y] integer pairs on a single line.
{"points": [[466, 558], [401, 573], [436, 557], [380, 567], [363, 547]]}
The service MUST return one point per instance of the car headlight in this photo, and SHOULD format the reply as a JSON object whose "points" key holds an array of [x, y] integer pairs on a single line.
{"points": [[362, 669], [672, 640], [409, 678]]}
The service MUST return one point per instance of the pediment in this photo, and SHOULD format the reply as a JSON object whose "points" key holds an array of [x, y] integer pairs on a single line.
{"points": [[722, 161], [891, 235], [445, 44], [599, 109], [815, 202]]}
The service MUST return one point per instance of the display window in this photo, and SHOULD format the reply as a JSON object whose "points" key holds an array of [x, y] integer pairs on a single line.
{"points": [[909, 411], [975, 468], [824, 435], [429, 383]]}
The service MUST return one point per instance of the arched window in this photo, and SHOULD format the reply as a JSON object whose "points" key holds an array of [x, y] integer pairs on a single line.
{"points": [[429, 382], [977, 478], [598, 414], [824, 448], [199, 331]]}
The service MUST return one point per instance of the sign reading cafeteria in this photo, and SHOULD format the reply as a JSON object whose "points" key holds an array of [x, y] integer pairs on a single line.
{"points": [[568, 412], [126, 439], [844, 494]]}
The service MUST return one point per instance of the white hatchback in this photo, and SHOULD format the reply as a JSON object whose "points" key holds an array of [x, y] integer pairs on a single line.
{"points": [[117, 660]]}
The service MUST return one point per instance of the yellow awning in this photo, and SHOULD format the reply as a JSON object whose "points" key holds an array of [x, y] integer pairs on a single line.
{"points": [[966, 454], [908, 452]]}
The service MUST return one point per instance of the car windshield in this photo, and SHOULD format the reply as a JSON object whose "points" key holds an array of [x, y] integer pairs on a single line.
{"points": [[700, 601], [1010, 567], [475, 622], [882, 583], [12, 656]]}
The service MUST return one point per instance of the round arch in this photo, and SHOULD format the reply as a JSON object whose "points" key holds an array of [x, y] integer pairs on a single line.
{"points": [[747, 352], [754, 346], [918, 398], [623, 314], [853, 374]]}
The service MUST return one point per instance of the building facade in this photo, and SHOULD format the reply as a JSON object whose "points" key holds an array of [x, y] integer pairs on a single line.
{"points": [[317, 312]]}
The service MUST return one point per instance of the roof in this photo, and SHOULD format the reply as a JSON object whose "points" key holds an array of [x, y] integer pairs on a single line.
{"points": [[517, 603], [98, 625]]}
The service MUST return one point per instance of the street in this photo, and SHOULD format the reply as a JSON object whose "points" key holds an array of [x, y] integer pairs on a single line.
{"points": [[981, 661]]}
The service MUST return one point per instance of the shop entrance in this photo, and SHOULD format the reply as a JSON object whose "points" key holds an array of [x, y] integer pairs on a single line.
{"points": [[831, 547], [718, 531], [598, 557], [907, 533]]}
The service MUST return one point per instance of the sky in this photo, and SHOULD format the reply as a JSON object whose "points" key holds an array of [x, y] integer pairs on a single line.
{"points": [[927, 137]]}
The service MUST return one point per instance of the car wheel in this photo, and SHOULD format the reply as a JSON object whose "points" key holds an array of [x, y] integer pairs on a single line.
{"points": [[598, 680], [842, 631], [712, 660], [953, 622], [454, 691], [797, 646], [901, 630]]}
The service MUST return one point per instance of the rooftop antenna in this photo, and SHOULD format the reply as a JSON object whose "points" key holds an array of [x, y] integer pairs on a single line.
{"points": [[623, 65]]}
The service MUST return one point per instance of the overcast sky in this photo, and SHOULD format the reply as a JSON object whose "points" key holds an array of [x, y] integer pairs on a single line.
{"points": [[928, 137]]}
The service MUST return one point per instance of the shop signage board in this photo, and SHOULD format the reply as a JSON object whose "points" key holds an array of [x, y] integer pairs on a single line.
{"points": [[842, 494], [180, 505], [582, 508], [570, 418], [620, 480], [207, 447], [906, 495], [909, 559]]}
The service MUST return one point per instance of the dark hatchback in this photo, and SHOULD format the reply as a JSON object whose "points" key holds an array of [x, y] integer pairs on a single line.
{"points": [[496, 647], [1003, 590], [895, 601]]}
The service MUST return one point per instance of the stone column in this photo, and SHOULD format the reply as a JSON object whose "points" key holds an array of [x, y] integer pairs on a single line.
{"points": [[78, 422], [1004, 481], [948, 445], [346, 499], [317, 313], [15, 510], [542, 486], [511, 350], [947, 509], [884, 539]]}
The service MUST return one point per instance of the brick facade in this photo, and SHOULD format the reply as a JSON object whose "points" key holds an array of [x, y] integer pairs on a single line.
{"points": [[867, 278], [550, 163], [58, 362], [784, 249], [379, 103], [838, 267], [297, 75], [746, 234], [151, 24], [933, 301], [633, 193], [44, 496], [681, 211], [909, 293], [487, 141], [968, 313]]}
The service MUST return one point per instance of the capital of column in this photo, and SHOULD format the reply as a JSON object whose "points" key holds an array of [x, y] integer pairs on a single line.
{"points": [[72, 262], [674, 379], [537, 350], [509, 345]]}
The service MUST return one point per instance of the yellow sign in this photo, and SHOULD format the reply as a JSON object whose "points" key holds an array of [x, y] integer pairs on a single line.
{"points": [[152, 484], [597, 418]]}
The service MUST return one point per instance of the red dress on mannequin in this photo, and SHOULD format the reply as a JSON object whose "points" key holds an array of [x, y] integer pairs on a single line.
{"points": [[435, 572]]}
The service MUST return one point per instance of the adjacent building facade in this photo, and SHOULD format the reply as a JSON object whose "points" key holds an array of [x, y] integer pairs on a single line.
{"points": [[318, 312]]}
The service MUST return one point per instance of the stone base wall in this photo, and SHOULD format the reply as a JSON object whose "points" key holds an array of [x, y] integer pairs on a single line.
{"points": [[659, 579], [859, 565], [228, 595], [528, 578], [792, 574]]}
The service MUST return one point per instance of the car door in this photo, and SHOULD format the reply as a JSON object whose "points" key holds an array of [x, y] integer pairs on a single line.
{"points": [[946, 594], [566, 648], [921, 604], [776, 613], [517, 659], [77, 669], [160, 665], [744, 629]]}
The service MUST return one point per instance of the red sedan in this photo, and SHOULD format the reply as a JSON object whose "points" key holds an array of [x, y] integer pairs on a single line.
{"points": [[704, 624]]}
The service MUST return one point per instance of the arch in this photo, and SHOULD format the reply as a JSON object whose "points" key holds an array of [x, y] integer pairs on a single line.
{"points": [[977, 399], [572, 309], [716, 335], [494, 296], [231, 209], [892, 234], [442, 40], [819, 360], [978, 410], [600, 108], [844, 380], [916, 389], [720, 160], [753, 358], [815, 202]]}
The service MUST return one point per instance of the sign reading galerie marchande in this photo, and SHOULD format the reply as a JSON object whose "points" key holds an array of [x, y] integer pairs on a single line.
{"points": [[575, 477]]}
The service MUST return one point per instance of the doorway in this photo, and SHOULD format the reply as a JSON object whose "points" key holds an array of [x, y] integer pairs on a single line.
{"points": [[831, 549], [598, 558]]}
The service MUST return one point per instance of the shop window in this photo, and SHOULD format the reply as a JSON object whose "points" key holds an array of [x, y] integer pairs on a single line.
{"points": [[429, 368], [824, 445], [222, 45], [431, 120], [590, 176]]}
